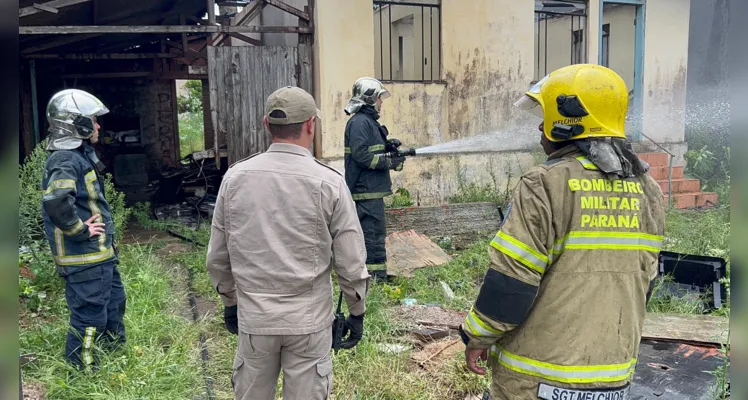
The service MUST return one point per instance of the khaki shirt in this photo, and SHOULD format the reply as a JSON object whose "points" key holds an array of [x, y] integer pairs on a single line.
{"points": [[282, 222]]}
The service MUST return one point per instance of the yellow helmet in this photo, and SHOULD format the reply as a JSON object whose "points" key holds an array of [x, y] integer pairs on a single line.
{"points": [[578, 102]]}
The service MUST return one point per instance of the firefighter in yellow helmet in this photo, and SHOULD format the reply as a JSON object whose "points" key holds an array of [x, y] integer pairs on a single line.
{"points": [[560, 312]]}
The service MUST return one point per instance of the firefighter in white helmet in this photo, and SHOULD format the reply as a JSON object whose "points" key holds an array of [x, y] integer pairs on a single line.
{"points": [[560, 311]]}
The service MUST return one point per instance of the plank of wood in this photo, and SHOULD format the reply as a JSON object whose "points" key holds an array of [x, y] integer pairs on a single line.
{"points": [[56, 4], [67, 30], [408, 251], [245, 38], [213, 83], [100, 56], [289, 9], [695, 328]]}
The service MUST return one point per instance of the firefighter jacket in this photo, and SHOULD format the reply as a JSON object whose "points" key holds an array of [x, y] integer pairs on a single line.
{"points": [[73, 193], [367, 170], [564, 299], [282, 222]]}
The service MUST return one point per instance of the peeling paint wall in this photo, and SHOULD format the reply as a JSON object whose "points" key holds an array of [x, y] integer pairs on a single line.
{"points": [[487, 62], [665, 66]]}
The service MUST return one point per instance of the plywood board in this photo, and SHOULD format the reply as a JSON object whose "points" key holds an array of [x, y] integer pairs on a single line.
{"points": [[408, 251], [682, 327]]}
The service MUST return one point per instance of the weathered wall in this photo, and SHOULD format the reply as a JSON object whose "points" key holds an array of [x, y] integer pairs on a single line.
{"points": [[665, 66], [343, 52], [487, 62]]}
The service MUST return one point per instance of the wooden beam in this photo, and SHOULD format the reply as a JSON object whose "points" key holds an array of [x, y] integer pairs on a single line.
{"points": [[168, 75], [289, 9], [100, 56], [245, 38], [67, 30], [56, 4], [56, 43], [245, 16], [227, 3], [46, 8]]}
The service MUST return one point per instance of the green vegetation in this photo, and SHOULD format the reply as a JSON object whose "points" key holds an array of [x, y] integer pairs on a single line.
{"points": [[191, 126], [472, 192], [159, 361], [400, 199]]}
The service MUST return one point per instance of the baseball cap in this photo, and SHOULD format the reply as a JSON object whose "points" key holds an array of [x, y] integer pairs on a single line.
{"points": [[296, 103]]}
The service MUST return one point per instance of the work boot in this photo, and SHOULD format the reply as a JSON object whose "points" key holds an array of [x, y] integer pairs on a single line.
{"points": [[378, 276]]}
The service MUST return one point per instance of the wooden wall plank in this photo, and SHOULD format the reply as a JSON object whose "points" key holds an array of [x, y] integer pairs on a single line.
{"points": [[213, 67], [244, 76]]}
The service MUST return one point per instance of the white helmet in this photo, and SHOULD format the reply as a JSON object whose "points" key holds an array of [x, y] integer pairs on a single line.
{"points": [[70, 114], [366, 91]]}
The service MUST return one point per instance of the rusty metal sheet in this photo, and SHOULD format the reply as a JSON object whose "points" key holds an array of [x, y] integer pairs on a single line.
{"points": [[675, 371], [682, 327]]}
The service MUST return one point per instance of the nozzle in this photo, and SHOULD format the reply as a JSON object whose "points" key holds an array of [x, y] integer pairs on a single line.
{"points": [[407, 152]]}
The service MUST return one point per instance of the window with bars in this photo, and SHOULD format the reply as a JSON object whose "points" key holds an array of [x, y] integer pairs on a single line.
{"points": [[606, 45], [407, 40]]}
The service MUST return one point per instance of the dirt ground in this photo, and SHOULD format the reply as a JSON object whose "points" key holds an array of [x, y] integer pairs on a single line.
{"points": [[33, 391], [420, 316]]}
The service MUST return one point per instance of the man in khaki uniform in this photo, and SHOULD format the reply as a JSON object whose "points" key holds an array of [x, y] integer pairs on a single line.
{"points": [[282, 222], [561, 309]]}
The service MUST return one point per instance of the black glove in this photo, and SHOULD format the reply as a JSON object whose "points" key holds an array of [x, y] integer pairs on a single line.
{"points": [[392, 145], [355, 325], [396, 163], [231, 320]]}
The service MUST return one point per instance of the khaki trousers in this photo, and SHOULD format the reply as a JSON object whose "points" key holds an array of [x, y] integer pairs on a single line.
{"points": [[305, 360]]}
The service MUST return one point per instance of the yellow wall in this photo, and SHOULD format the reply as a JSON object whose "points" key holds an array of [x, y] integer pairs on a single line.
{"points": [[665, 65], [343, 52], [487, 62]]}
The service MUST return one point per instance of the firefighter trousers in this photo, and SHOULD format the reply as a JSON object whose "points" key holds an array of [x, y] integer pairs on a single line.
{"points": [[305, 360], [371, 217], [96, 299]]}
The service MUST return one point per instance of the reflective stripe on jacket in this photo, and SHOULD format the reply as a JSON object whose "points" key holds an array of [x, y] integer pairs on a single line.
{"points": [[367, 171], [73, 193], [282, 223], [564, 299]]}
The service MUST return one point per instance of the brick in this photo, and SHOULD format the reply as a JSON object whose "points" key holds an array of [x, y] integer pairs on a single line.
{"points": [[681, 185], [655, 159], [660, 173], [707, 199], [682, 200]]}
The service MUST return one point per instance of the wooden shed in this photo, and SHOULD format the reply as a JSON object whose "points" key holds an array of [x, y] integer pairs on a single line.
{"points": [[130, 53]]}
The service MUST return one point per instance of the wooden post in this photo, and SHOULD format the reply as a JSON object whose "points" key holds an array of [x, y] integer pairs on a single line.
{"points": [[25, 94], [211, 11], [34, 102]]}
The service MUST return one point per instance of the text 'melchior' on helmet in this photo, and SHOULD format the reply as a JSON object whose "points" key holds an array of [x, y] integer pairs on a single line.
{"points": [[366, 91], [70, 114], [579, 101]]}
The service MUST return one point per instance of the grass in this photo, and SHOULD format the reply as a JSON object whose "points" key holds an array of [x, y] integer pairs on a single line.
{"points": [[159, 360], [162, 359], [191, 133]]}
